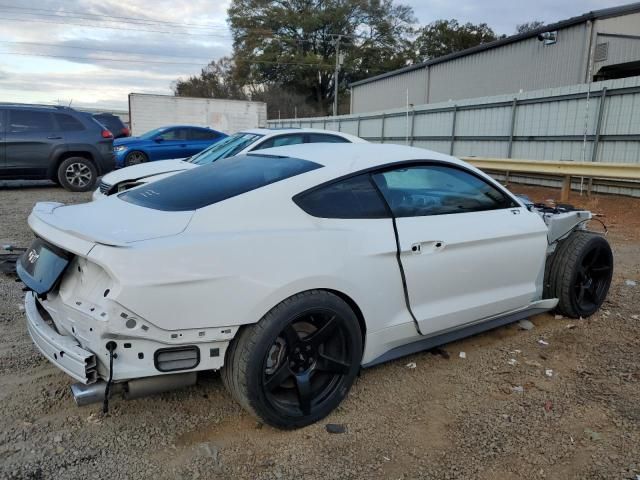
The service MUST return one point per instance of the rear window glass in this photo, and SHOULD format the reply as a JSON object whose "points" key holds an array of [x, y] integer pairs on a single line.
{"points": [[112, 122], [67, 123], [209, 184]]}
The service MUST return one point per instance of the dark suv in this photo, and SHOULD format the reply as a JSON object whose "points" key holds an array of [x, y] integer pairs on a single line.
{"points": [[56, 143]]}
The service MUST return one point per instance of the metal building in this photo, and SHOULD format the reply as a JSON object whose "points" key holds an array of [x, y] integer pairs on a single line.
{"points": [[599, 45]]}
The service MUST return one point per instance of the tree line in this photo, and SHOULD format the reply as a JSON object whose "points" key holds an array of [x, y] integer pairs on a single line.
{"points": [[284, 51]]}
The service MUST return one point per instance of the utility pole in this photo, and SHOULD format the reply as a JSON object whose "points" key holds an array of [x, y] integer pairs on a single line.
{"points": [[339, 60]]}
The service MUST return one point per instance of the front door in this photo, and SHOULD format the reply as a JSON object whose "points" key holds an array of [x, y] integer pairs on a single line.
{"points": [[468, 250]]}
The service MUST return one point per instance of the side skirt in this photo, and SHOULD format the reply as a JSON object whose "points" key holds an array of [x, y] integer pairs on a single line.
{"points": [[452, 336]]}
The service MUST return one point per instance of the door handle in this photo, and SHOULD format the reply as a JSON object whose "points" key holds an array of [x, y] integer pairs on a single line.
{"points": [[428, 246], [54, 137]]}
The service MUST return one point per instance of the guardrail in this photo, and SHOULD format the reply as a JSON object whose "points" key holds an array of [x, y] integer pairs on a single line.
{"points": [[565, 170]]}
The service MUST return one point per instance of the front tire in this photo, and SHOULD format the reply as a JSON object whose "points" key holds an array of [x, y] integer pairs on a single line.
{"points": [[77, 174], [296, 364], [135, 158], [580, 274]]}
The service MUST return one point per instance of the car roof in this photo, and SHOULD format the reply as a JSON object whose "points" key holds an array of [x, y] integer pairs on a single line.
{"points": [[281, 131], [343, 158]]}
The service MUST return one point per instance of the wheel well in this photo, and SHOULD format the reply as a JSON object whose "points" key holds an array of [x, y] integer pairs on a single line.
{"points": [[66, 155], [356, 309]]}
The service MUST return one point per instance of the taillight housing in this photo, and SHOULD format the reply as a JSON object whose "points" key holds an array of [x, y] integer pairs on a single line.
{"points": [[106, 134], [126, 132]]}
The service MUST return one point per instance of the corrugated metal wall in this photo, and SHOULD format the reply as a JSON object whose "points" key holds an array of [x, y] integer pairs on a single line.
{"points": [[367, 98], [522, 66], [546, 124]]}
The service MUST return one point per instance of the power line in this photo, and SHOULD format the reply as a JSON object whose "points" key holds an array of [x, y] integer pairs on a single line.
{"points": [[242, 60], [52, 45], [136, 20], [29, 20]]}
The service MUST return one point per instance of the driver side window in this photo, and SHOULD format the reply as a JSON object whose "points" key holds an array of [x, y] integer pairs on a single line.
{"points": [[438, 190]]}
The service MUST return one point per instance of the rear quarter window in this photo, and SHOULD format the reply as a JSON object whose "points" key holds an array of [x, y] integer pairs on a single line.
{"points": [[354, 197], [67, 123], [223, 179]]}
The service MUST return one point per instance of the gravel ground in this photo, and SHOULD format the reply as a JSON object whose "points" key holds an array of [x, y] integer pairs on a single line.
{"points": [[494, 414]]}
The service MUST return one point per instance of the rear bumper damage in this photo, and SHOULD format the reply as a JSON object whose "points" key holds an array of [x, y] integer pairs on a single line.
{"points": [[63, 351]]}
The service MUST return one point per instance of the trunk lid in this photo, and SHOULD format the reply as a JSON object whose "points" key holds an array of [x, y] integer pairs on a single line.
{"points": [[109, 222]]}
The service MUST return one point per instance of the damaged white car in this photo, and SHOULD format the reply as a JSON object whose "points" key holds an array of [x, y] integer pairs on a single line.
{"points": [[292, 268]]}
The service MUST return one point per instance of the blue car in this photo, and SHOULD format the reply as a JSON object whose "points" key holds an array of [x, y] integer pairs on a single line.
{"points": [[177, 141]]}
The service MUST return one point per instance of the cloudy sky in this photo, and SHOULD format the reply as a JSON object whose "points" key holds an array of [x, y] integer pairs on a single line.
{"points": [[94, 52]]}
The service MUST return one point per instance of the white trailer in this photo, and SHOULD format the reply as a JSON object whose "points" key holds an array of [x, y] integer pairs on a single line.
{"points": [[147, 112]]}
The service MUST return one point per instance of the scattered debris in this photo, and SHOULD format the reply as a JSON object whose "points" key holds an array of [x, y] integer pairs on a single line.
{"points": [[517, 389], [548, 372], [533, 363], [209, 450], [94, 418], [512, 361], [525, 325], [335, 428], [548, 405], [516, 352], [411, 365], [462, 355], [635, 317], [57, 438], [593, 435], [543, 342], [571, 326], [559, 317], [630, 283]]}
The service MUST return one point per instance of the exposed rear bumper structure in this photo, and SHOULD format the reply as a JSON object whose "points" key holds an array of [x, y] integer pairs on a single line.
{"points": [[61, 350]]}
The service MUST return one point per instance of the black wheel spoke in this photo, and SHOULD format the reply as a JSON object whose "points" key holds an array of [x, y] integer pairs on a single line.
{"points": [[594, 258], [581, 294], [601, 269], [327, 364], [279, 377], [321, 335], [303, 384], [291, 336]]}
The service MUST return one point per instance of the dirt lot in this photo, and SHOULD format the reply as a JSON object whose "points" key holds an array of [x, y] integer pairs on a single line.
{"points": [[474, 417]]}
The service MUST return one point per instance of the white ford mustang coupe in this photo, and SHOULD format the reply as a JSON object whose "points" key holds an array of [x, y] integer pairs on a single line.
{"points": [[290, 269]]}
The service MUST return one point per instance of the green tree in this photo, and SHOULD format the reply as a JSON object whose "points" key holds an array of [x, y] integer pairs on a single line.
{"points": [[292, 43], [216, 80], [443, 37], [528, 26]]}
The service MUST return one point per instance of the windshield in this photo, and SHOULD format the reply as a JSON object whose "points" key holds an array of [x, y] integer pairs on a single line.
{"points": [[225, 148], [152, 133]]}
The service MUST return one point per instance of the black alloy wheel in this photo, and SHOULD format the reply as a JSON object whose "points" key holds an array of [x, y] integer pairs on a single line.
{"points": [[306, 363], [580, 274], [298, 362]]}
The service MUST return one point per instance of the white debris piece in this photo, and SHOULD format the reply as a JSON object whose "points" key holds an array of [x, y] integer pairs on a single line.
{"points": [[548, 372], [559, 317], [512, 361], [411, 365], [543, 342], [462, 355], [525, 325], [630, 283], [518, 389]]}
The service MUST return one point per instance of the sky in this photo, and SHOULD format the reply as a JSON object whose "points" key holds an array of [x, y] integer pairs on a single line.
{"points": [[93, 53]]}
